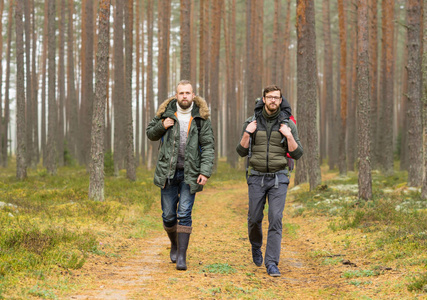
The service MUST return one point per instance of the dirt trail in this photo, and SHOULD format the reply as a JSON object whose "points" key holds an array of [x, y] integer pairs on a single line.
{"points": [[144, 270]]}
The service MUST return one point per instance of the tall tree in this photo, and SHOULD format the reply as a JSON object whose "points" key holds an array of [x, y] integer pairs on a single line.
{"points": [[424, 71], [130, 154], [343, 86], [328, 83], [164, 11], [96, 183], [1, 86], [301, 174], [137, 81], [29, 103], [414, 107], [71, 88], [313, 155], [387, 87], [214, 70], [150, 94], [34, 91], [43, 134], [51, 165], [119, 90], [61, 84], [373, 55], [185, 40], [5, 133], [21, 163], [87, 80], [363, 94]]}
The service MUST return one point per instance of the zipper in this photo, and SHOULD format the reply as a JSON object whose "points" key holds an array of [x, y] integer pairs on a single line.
{"points": [[173, 149]]}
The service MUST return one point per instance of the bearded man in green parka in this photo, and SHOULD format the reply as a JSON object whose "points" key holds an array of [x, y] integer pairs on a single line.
{"points": [[184, 163]]}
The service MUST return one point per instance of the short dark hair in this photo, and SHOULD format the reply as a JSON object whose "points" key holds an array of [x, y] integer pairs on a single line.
{"points": [[271, 88], [183, 82]]}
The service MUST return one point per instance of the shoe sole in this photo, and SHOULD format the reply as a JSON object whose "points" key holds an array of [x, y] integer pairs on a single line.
{"points": [[275, 275]]}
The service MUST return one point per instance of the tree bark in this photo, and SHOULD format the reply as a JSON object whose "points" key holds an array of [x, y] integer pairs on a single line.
{"points": [[363, 94], [61, 84], [21, 162], [119, 90], [96, 183], [185, 40], [164, 10], [43, 126], [71, 88], [150, 94], [414, 104], [387, 88], [1, 87], [424, 71], [51, 164], [130, 153], [34, 91], [29, 102], [301, 174], [328, 84], [313, 155], [342, 164], [7, 84]]}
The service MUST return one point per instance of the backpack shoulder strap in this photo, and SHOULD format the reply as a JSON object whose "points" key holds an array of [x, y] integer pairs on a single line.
{"points": [[199, 124]]}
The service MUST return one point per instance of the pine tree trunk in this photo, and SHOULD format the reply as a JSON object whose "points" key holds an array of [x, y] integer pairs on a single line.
{"points": [[96, 183], [424, 71], [164, 10], [342, 164], [387, 87], [21, 163], [7, 85], [130, 154], [43, 99], [71, 88], [352, 103], [301, 174], [286, 90], [137, 81], [414, 105], [34, 85], [213, 98], [143, 107], [61, 84], [51, 165], [328, 81], [87, 81], [363, 94], [1, 86], [313, 155], [119, 85], [185, 40], [373, 54], [29, 102], [149, 94]]}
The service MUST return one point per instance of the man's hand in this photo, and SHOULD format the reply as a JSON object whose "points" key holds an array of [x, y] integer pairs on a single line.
{"points": [[251, 127], [168, 122], [202, 179], [285, 130]]}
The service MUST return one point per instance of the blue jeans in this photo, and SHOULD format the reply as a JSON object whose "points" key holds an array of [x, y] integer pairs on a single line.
{"points": [[177, 201]]}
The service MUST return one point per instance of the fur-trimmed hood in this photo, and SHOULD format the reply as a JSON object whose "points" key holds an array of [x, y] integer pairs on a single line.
{"points": [[199, 101]]}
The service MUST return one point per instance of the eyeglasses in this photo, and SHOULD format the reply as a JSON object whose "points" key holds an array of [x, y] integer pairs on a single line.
{"points": [[271, 98]]}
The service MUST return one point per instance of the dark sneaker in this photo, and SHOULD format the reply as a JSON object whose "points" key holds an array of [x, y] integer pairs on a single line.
{"points": [[257, 256], [273, 271]]}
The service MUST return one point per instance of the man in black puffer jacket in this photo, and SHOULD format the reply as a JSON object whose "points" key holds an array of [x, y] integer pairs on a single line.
{"points": [[266, 139]]}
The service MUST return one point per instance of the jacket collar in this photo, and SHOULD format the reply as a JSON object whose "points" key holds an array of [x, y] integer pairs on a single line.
{"points": [[200, 105]]}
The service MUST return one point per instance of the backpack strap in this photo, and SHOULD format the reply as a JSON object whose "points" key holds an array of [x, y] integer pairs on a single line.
{"points": [[199, 128]]}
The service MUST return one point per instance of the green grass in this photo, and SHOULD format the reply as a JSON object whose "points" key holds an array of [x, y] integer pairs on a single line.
{"points": [[49, 226], [219, 268], [393, 223]]}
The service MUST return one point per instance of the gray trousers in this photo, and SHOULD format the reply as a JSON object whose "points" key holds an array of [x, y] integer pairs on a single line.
{"points": [[259, 187]]}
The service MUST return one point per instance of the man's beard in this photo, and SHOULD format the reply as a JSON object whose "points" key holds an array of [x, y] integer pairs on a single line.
{"points": [[185, 105]]}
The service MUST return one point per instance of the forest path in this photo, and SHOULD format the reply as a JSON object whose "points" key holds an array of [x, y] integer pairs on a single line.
{"points": [[219, 259]]}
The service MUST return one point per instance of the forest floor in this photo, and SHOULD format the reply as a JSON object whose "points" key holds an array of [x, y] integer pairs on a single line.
{"points": [[220, 263]]}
